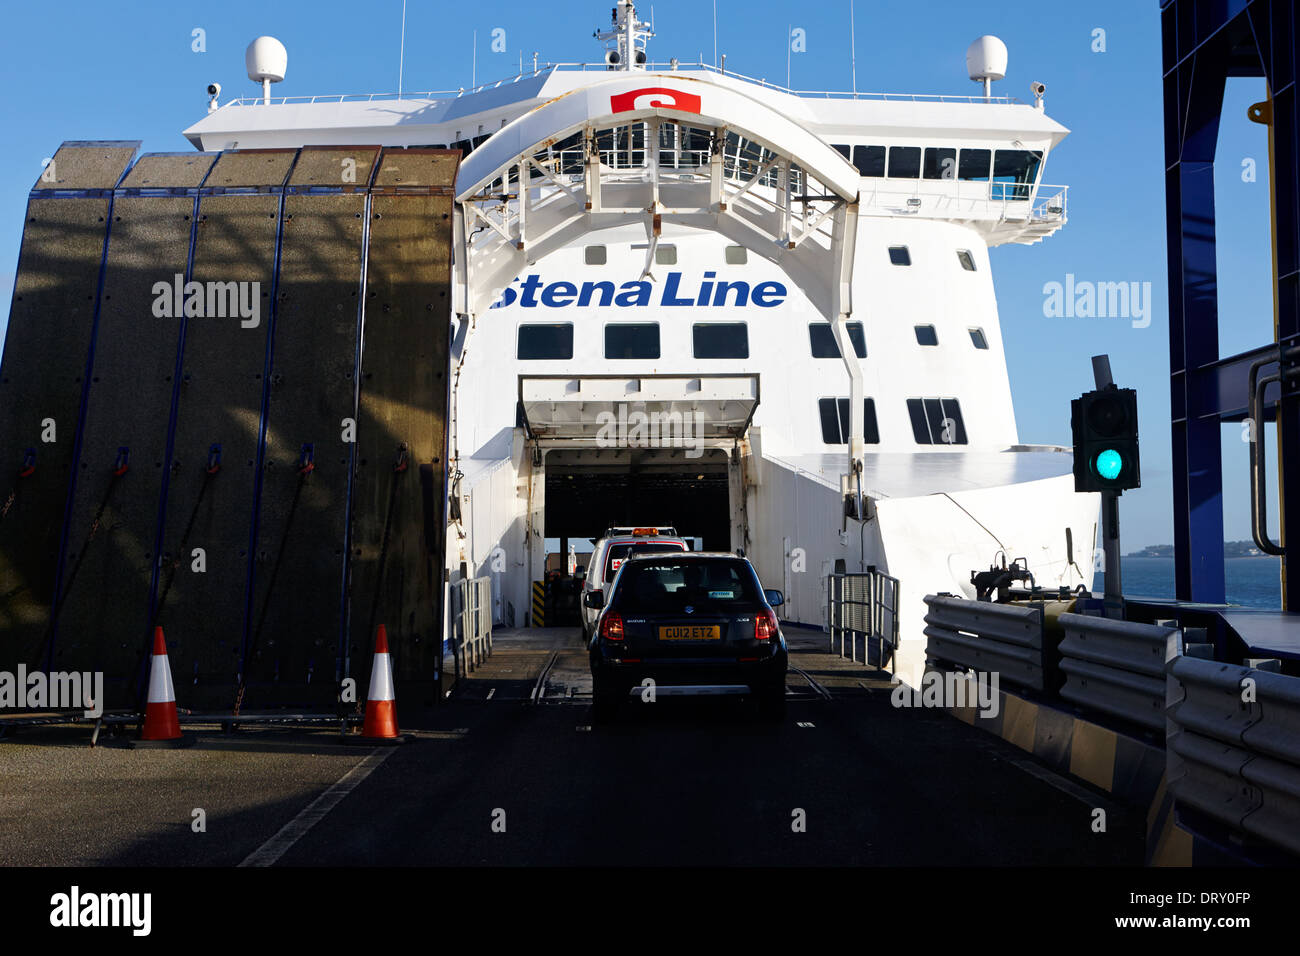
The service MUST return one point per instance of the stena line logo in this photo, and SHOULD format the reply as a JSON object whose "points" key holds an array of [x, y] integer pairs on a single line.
{"points": [[532, 292], [655, 97]]}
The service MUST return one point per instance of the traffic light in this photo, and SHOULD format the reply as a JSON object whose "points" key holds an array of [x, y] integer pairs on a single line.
{"points": [[1105, 426]]}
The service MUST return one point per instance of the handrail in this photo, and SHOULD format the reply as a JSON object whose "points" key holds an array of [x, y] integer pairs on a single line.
{"points": [[669, 67]]}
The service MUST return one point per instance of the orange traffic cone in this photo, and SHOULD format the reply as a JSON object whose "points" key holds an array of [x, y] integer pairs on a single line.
{"points": [[381, 703], [162, 726]]}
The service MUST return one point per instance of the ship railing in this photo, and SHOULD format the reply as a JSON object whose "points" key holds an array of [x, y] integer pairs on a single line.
{"points": [[654, 67], [473, 630], [1010, 201], [862, 611]]}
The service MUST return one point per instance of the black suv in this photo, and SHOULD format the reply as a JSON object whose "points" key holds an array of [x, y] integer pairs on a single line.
{"points": [[692, 623]]}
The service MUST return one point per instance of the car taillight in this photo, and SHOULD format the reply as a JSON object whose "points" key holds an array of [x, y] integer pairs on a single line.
{"points": [[611, 627], [765, 625]]}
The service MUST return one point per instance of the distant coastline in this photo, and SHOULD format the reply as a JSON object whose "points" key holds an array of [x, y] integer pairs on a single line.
{"points": [[1231, 549]]}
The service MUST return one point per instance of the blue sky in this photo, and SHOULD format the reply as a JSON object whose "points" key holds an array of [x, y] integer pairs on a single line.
{"points": [[128, 71]]}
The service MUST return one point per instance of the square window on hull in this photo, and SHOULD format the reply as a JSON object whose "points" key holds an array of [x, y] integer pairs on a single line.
{"points": [[721, 340], [632, 341], [822, 339], [542, 342]]}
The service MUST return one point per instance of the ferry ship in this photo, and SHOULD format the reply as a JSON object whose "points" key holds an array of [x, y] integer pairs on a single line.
{"points": [[766, 317]]}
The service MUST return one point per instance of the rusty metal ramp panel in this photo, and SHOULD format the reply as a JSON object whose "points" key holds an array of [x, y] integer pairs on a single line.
{"points": [[298, 558], [399, 497], [110, 541], [203, 577], [42, 376], [86, 166]]}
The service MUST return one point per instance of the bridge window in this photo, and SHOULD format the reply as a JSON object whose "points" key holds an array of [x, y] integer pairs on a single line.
{"points": [[666, 255], [966, 259], [1014, 173], [936, 421], [904, 162], [737, 255], [596, 255], [550, 341], [899, 256], [940, 164], [978, 338], [632, 340], [870, 160], [844, 149], [973, 164], [822, 338], [926, 335], [834, 413], [721, 340]]}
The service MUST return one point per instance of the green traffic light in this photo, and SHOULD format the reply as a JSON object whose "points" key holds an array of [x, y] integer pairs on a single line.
{"points": [[1109, 464]]}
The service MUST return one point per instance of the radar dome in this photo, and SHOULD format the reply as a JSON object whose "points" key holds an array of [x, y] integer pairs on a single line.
{"points": [[266, 59], [986, 58]]}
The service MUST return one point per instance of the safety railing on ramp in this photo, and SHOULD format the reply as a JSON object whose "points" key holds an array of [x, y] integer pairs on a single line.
{"points": [[1117, 667], [862, 609], [997, 638], [473, 611], [1234, 748]]}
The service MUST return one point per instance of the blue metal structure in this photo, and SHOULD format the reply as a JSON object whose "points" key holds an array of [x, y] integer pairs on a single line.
{"points": [[1204, 43]]}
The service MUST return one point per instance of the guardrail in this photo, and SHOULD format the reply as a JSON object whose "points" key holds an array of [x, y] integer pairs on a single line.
{"points": [[863, 606], [653, 67], [996, 638], [1234, 747], [1117, 667], [473, 623]]}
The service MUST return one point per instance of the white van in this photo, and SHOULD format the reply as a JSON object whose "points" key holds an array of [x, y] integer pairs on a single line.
{"points": [[609, 553]]}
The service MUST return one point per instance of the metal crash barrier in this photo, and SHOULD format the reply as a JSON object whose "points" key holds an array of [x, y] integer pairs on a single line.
{"points": [[1234, 748], [1002, 638], [1117, 667], [473, 623], [863, 609]]}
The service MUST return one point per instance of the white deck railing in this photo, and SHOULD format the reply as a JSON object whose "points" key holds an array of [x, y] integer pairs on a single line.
{"points": [[601, 67]]}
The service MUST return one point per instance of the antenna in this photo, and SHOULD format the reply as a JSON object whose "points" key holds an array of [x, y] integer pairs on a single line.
{"points": [[788, 30], [986, 61], [401, 52], [473, 69], [853, 50], [266, 60], [715, 32]]}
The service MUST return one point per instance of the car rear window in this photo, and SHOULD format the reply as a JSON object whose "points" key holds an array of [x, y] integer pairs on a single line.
{"points": [[618, 553], [667, 584]]}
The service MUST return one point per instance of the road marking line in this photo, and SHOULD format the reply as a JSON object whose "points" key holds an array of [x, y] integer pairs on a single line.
{"points": [[805, 723], [1060, 783], [271, 851], [583, 727], [491, 693]]}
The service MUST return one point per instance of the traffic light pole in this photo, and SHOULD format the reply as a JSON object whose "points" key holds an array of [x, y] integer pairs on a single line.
{"points": [[1114, 597]]}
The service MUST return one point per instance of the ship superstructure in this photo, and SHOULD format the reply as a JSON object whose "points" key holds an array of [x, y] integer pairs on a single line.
{"points": [[659, 272]]}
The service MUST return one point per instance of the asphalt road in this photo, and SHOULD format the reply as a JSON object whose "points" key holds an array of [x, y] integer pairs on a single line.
{"points": [[511, 771]]}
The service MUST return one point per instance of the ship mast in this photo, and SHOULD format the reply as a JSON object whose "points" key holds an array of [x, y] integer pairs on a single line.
{"points": [[625, 41]]}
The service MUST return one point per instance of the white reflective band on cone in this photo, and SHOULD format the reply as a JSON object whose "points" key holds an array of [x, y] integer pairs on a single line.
{"points": [[160, 681], [381, 679]]}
